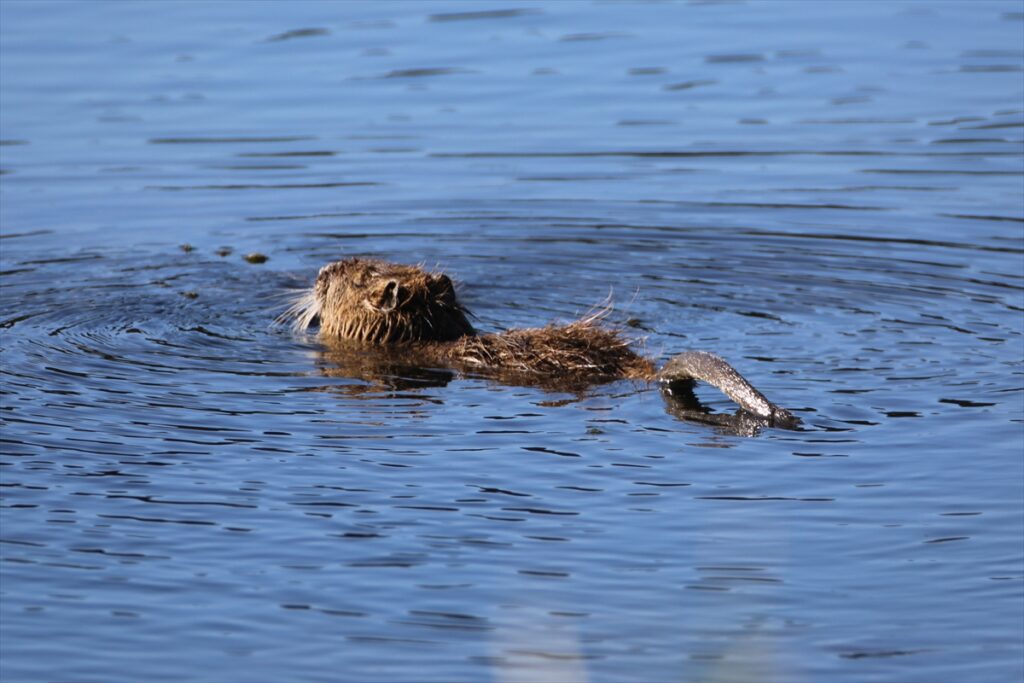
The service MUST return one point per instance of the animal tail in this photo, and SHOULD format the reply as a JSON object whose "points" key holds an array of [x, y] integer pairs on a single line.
{"points": [[708, 367]]}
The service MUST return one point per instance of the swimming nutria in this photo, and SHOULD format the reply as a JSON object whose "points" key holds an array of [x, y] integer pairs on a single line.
{"points": [[417, 312]]}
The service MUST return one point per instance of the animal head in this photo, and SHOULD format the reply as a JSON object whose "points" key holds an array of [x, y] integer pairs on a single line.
{"points": [[377, 302]]}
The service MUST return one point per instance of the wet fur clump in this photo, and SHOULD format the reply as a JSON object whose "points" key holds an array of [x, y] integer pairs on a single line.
{"points": [[581, 351]]}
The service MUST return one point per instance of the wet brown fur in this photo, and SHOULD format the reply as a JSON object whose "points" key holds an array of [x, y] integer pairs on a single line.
{"points": [[407, 308]]}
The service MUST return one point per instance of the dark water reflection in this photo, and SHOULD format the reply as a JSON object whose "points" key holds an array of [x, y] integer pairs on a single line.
{"points": [[829, 197]]}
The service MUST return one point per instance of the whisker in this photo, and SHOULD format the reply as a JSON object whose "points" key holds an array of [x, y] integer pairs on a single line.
{"points": [[304, 309]]}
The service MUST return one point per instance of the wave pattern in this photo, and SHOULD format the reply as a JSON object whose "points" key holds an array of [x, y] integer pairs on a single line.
{"points": [[189, 490]]}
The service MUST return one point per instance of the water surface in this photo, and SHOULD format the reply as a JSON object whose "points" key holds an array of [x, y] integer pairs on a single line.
{"points": [[830, 196]]}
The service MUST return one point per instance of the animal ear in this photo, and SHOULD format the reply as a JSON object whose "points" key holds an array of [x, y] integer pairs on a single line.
{"points": [[388, 297]]}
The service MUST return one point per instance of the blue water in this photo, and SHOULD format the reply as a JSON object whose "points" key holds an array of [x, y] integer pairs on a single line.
{"points": [[830, 195]]}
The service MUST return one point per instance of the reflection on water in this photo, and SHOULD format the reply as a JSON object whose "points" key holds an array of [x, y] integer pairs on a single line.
{"points": [[829, 197], [387, 370]]}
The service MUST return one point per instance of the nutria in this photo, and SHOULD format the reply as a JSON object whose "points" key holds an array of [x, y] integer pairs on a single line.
{"points": [[416, 313]]}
